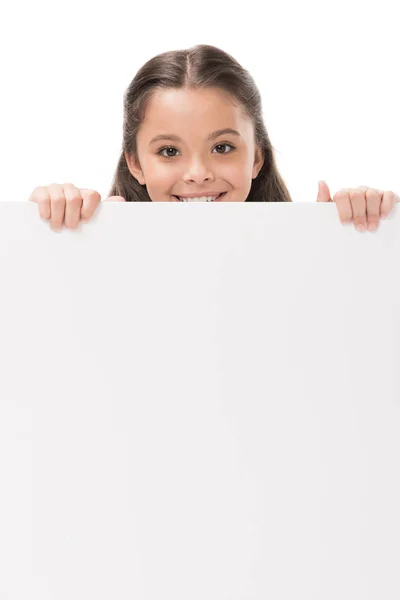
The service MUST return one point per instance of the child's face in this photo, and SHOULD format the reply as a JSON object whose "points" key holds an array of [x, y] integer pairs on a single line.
{"points": [[196, 165]]}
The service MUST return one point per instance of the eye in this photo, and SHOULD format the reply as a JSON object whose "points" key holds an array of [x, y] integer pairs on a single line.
{"points": [[160, 152], [222, 145]]}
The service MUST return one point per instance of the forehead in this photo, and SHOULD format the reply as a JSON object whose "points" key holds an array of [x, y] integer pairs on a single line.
{"points": [[178, 108]]}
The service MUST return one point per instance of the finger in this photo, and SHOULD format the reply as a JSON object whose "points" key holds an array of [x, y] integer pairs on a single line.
{"points": [[373, 202], [343, 204], [323, 192], [359, 208], [388, 201], [57, 205], [41, 196], [73, 204], [90, 201]]}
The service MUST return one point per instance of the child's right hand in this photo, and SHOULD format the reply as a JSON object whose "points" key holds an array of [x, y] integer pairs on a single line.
{"points": [[67, 203]]}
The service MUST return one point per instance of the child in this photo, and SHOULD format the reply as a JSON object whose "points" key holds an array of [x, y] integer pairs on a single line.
{"points": [[203, 100]]}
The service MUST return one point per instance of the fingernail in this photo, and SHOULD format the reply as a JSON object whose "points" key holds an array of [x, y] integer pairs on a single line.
{"points": [[360, 227], [383, 216], [372, 226]]}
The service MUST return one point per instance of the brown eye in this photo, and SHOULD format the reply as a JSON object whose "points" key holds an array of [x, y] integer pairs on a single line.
{"points": [[167, 148], [160, 152], [224, 146]]}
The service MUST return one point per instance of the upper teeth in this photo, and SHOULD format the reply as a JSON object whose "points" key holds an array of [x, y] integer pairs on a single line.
{"points": [[199, 199]]}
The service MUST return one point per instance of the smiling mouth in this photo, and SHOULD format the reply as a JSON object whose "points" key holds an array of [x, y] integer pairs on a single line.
{"points": [[191, 199]]}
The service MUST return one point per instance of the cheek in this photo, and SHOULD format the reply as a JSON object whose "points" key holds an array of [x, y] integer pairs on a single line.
{"points": [[159, 175], [238, 166], [236, 174], [162, 173]]}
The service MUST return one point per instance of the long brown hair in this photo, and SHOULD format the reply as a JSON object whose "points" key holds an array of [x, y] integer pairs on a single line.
{"points": [[201, 66]]}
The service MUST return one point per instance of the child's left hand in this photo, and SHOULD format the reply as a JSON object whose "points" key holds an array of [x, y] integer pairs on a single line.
{"points": [[365, 205]]}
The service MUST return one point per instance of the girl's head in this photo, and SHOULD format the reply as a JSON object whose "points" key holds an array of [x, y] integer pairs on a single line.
{"points": [[189, 95]]}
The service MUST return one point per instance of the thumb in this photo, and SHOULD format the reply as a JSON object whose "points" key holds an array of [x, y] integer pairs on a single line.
{"points": [[324, 194], [114, 199]]}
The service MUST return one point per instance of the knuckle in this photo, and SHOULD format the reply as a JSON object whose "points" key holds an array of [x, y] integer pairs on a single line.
{"points": [[74, 199], [55, 188], [354, 194], [37, 191], [72, 194], [93, 194], [39, 194], [340, 194], [90, 193]]}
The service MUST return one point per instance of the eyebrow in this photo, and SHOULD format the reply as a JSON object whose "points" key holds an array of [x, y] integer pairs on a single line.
{"points": [[213, 135]]}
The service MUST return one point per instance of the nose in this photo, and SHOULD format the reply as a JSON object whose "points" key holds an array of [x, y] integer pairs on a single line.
{"points": [[199, 171]]}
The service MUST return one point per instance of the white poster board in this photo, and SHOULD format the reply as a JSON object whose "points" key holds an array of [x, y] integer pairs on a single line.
{"points": [[199, 402]]}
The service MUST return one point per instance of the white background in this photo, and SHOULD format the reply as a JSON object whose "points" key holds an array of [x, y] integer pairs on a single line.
{"points": [[294, 498], [327, 73], [212, 421]]}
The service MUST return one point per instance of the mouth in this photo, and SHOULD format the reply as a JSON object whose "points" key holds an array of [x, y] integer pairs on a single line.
{"points": [[200, 200]]}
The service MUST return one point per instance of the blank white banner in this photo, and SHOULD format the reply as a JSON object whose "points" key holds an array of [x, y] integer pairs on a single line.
{"points": [[199, 403]]}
